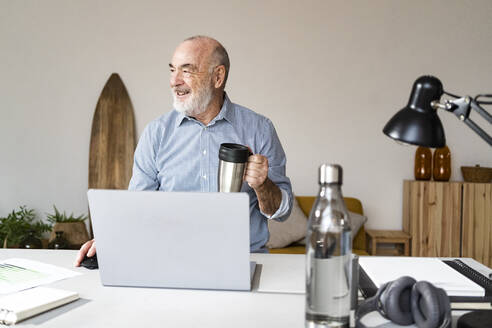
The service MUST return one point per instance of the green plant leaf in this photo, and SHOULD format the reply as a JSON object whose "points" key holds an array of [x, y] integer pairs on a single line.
{"points": [[63, 217], [15, 227]]}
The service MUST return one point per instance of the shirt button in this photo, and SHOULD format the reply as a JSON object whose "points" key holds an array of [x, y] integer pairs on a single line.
{"points": [[204, 152], [204, 176]]}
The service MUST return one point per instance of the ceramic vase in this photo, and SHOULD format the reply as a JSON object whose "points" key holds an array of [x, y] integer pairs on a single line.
{"points": [[423, 163], [442, 164], [75, 233]]}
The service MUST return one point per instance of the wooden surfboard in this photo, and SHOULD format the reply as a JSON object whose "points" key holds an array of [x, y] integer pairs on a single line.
{"points": [[112, 138]]}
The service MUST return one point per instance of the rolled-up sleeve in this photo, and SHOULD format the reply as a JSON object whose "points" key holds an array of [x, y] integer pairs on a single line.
{"points": [[144, 164], [273, 151]]}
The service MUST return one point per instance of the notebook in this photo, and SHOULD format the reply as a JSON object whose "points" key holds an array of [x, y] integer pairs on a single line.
{"points": [[452, 275], [17, 274], [172, 239], [30, 302]]}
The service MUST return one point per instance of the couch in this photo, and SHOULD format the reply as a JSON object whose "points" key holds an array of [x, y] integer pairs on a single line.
{"points": [[305, 203]]}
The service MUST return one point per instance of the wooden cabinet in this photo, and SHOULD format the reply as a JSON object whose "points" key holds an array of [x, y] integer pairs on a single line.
{"points": [[477, 222], [449, 219]]}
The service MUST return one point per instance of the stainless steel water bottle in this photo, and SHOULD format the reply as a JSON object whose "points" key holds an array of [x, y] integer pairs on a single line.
{"points": [[328, 254]]}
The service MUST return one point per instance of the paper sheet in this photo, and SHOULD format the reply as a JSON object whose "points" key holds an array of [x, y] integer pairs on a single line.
{"points": [[18, 274], [384, 269]]}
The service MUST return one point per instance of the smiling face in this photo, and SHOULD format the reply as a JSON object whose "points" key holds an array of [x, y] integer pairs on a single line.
{"points": [[192, 77]]}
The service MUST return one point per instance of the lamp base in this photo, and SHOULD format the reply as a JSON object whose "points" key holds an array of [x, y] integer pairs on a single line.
{"points": [[476, 319]]}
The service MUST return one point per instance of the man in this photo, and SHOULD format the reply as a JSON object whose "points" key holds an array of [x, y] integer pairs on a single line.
{"points": [[179, 150]]}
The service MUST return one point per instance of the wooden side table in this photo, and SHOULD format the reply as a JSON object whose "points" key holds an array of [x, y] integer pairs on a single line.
{"points": [[399, 238]]}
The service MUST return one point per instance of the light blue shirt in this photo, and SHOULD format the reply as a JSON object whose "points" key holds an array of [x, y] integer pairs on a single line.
{"points": [[179, 153]]}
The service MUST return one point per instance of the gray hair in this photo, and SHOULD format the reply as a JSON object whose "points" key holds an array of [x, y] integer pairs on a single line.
{"points": [[219, 54]]}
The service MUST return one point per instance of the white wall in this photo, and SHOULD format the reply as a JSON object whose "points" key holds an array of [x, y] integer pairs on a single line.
{"points": [[328, 73]]}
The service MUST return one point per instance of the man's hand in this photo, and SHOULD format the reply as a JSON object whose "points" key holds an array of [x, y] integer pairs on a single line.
{"points": [[256, 170], [256, 175], [88, 248]]}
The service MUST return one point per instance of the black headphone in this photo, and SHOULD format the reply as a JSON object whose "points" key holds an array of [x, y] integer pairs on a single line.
{"points": [[405, 301]]}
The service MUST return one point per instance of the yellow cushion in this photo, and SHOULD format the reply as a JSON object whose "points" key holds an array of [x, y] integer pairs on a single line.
{"points": [[353, 205], [306, 203], [301, 249]]}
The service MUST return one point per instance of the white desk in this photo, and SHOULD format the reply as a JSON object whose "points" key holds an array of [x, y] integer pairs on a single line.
{"points": [[101, 306]]}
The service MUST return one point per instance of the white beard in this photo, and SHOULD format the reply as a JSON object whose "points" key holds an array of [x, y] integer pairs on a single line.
{"points": [[195, 104]]}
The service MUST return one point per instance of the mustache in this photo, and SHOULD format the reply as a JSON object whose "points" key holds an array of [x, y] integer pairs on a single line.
{"points": [[181, 89]]}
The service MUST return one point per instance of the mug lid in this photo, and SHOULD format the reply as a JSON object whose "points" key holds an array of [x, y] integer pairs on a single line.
{"points": [[235, 153]]}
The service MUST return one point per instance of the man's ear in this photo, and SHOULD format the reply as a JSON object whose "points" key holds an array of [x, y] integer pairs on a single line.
{"points": [[219, 77]]}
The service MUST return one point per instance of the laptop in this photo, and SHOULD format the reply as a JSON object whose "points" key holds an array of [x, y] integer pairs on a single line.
{"points": [[172, 239]]}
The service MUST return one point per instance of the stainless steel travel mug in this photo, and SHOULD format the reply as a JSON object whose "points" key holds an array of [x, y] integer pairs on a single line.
{"points": [[232, 163]]}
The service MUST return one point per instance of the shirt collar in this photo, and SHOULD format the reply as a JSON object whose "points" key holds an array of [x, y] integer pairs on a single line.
{"points": [[180, 118], [226, 113]]}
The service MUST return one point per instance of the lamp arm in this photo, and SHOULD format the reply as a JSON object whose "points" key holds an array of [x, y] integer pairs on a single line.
{"points": [[462, 107], [480, 110]]}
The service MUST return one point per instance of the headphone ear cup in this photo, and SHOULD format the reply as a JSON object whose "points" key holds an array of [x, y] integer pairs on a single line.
{"points": [[395, 301], [444, 307], [426, 305]]}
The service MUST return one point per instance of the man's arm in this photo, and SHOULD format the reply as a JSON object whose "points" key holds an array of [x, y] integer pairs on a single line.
{"points": [[144, 177], [269, 195], [265, 173]]}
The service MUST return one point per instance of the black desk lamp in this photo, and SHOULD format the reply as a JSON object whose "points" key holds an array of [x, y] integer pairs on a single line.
{"points": [[418, 123]]}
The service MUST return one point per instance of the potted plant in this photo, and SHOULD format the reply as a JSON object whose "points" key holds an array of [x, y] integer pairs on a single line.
{"points": [[73, 227], [20, 228]]}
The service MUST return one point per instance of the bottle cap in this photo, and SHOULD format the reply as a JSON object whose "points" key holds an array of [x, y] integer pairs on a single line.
{"points": [[330, 173]]}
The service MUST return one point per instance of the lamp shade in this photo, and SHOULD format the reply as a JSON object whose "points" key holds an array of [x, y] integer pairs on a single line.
{"points": [[418, 123]]}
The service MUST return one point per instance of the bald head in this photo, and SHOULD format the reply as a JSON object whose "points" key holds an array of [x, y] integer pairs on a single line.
{"points": [[212, 51], [198, 70]]}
